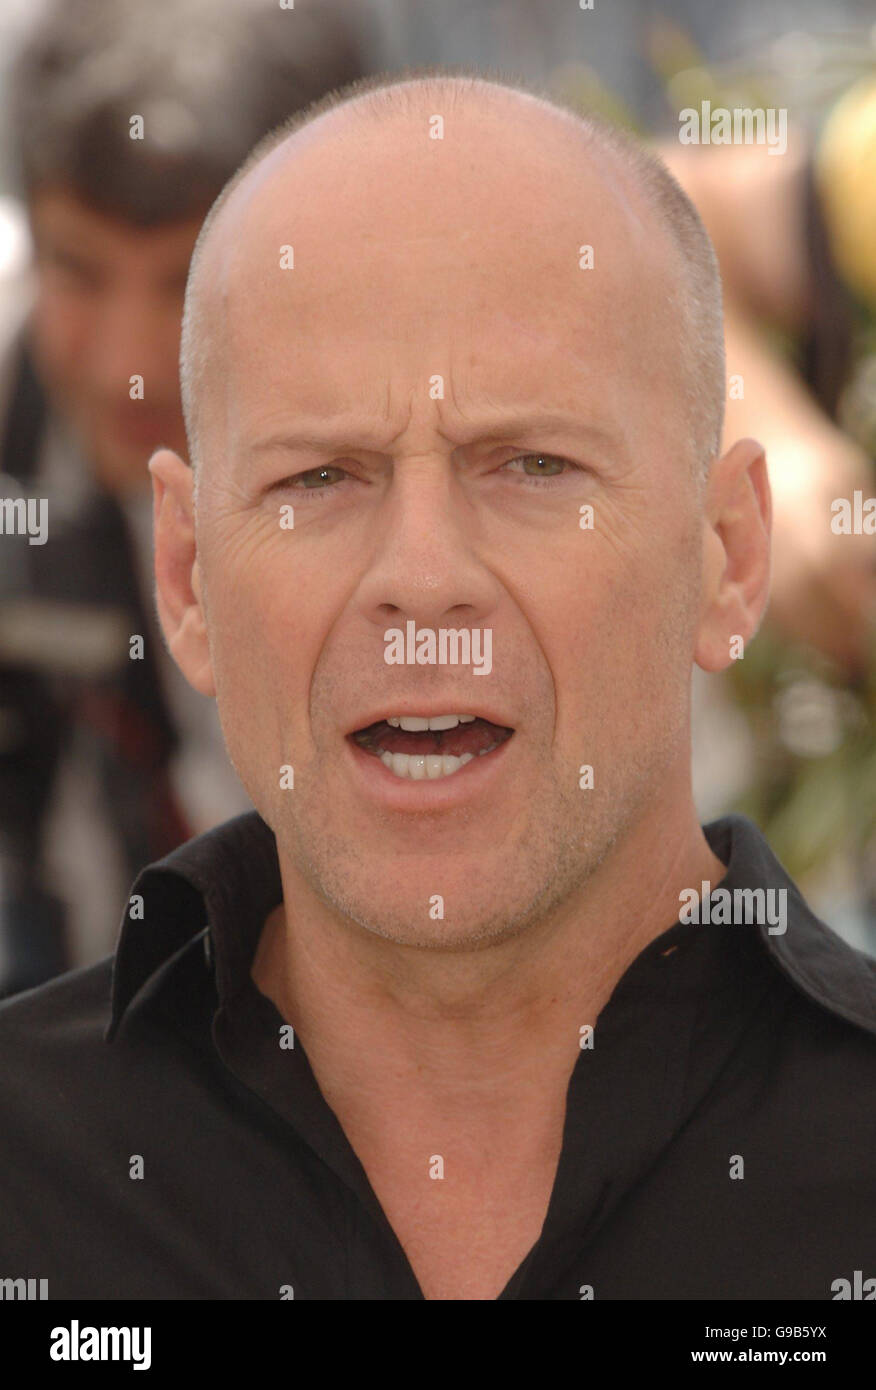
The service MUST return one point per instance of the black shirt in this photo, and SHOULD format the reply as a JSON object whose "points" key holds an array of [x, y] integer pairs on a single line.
{"points": [[156, 1141]]}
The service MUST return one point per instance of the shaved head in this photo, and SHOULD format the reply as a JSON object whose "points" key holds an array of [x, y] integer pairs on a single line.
{"points": [[357, 119]]}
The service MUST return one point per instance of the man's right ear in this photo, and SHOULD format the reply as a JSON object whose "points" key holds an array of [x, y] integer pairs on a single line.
{"points": [[177, 580]]}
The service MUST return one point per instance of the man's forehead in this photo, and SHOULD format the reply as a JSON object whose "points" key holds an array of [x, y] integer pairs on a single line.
{"points": [[511, 168], [348, 244]]}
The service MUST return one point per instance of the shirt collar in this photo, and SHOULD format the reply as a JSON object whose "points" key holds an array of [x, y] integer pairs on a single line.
{"points": [[220, 885], [223, 884]]}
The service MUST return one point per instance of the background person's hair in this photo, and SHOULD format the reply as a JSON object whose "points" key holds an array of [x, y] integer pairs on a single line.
{"points": [[701, 327], [209, 78]]}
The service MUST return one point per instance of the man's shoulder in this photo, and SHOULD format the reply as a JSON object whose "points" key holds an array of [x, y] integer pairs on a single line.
{"points": [[828, 971], [827, 1024], [54, 1062], [57, 1034], [820, 967], [825, 1020], [64, 1083], [73, 1012], [77, 1111], [72, 1009]]}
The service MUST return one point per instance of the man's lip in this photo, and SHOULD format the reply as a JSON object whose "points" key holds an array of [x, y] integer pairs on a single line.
{"points": [[428, 709], [379, 785]]}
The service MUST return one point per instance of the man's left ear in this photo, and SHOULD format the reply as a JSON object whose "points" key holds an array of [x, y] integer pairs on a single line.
{"points": [[736, 555], [177, 579]]}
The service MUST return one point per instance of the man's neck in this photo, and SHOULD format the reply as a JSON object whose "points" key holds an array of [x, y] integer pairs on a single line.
{"points": [[479, 1032]]}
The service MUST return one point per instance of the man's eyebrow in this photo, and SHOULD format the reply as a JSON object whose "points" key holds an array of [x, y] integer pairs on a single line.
{"points": [[546, 423], [315, 437]]}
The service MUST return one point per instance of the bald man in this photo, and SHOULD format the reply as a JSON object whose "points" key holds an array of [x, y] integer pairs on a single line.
{"points": [[472, 1006]]}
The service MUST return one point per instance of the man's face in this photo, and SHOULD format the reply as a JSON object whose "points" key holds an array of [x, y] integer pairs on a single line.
{"points": [[439, 326], [109, 306]]}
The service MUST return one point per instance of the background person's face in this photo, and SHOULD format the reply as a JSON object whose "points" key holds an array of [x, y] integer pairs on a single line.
{"points": [[419, 266], [108, 307]]}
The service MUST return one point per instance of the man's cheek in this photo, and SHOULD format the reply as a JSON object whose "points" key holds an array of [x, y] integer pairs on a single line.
{"points": [[263, 651], [254, 726]]}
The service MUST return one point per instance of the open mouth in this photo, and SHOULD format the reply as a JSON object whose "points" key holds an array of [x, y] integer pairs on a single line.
{"points": [[430, 746]]}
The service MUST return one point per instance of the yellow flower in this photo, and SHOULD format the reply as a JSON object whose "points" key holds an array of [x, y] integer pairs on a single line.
{"points": [[845, 165]]}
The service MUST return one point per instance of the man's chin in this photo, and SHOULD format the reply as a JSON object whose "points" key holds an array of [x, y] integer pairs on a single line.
{"points": [[407, 926], [434, 907]]}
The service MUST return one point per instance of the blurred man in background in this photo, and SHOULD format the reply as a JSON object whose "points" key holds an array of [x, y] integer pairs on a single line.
{"points": [[125, 122]]}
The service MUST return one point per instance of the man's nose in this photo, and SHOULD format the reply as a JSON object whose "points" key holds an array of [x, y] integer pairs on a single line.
{"points": [[427, 560]]}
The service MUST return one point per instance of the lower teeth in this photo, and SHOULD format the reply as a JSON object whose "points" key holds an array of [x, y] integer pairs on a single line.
{"points": [[419, 766]]}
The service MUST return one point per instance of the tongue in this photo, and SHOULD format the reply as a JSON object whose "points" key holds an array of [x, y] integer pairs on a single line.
{"points": [[465, 738]]}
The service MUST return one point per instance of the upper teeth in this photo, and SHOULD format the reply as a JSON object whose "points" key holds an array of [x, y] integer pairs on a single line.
{"points": [[416, 723]]}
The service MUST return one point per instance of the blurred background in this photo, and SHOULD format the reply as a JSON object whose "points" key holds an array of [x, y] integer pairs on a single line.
{"points": [[107, 758]]}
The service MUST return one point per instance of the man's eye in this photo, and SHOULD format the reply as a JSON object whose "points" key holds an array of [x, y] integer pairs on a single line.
{"points": [[539, 465], [315, 477]]}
